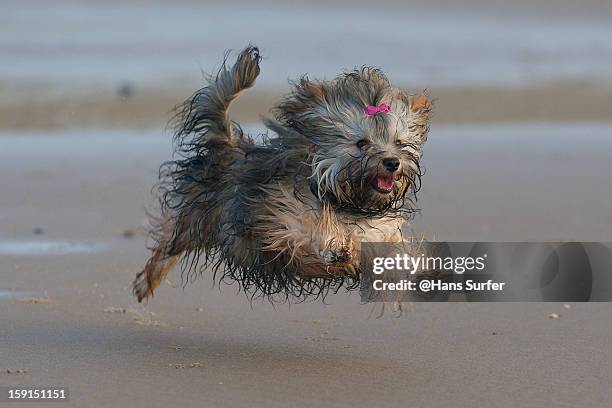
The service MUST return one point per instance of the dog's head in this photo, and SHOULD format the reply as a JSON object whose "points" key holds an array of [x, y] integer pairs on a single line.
{"points": [[364, 137]]}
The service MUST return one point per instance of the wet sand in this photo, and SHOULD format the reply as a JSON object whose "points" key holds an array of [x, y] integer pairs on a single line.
{"points": [[72, 320], [27, 108]]}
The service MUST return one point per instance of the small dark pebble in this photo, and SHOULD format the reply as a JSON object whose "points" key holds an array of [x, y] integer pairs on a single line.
{"points": [[125, 90], [128, 234]]}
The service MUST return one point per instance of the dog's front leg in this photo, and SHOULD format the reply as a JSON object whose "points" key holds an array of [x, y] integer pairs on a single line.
{"points": [[312, 237], [330, 240]]}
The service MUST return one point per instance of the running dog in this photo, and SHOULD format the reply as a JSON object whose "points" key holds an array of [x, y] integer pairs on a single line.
{"points": [[287, 215]]}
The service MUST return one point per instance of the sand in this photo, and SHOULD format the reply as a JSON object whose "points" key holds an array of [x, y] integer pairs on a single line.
{"points": [[151, 108], [75, 201]]}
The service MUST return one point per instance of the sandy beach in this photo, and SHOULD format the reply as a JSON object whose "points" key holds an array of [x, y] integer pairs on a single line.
{"points": [[70, 245], [519, 150]]}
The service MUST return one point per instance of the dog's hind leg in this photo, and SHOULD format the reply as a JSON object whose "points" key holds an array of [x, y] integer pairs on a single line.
{"points": [[167, 251], [211, 142], [154, 272]]}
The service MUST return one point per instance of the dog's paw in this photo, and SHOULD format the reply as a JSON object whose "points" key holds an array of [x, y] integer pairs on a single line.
{"points": [[337, 256], [140, 287]]}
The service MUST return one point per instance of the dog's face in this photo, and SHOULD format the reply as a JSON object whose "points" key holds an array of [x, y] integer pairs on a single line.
{"points": [[365, 138]]}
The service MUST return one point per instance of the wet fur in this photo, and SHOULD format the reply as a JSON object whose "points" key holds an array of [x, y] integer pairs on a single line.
{"points": [[285, 217]]}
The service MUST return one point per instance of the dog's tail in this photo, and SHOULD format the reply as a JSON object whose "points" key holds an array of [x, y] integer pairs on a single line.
{"points": [[202, 121]]}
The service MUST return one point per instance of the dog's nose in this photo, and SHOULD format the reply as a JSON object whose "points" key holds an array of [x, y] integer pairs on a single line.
{"points": [[391, 163]]}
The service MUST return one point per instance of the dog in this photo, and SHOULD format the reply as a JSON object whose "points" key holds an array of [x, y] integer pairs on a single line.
{"points": [[286, 215]]}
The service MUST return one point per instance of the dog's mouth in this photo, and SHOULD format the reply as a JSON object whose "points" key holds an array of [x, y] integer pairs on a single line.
{"points": [[383, 184]]}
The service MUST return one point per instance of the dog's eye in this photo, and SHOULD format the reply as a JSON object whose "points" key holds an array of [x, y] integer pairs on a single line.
{"points": [[362, 143], [399, 143]]}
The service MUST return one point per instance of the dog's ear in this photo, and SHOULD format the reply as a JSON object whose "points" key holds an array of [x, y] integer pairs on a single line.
{"points": [[312, 89], [306, 95], [309, 92], [420, 104]]}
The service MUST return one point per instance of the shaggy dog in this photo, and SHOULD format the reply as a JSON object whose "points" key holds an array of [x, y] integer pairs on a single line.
{"points": [[287, 216]]}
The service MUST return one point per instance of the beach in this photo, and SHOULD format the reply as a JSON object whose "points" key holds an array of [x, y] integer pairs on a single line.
{"points": [[519, 150], [72, 243]]}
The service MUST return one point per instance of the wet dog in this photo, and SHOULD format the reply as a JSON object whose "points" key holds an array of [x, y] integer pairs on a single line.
{"points": [[286, 216]]}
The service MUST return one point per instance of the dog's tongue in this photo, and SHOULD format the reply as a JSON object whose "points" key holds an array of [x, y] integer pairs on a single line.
{"points": [[384, 183]]}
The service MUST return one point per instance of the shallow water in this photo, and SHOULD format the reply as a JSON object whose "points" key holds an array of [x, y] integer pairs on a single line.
{"points": [[43, 248], [89, 42], [530, 181], [8, 294]]}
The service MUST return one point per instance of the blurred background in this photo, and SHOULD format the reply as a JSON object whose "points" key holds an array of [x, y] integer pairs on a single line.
{"points": [[522, 90], [117, 64]]}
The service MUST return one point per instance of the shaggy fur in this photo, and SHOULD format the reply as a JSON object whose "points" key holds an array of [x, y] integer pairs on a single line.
{"points": [[287, 216]]}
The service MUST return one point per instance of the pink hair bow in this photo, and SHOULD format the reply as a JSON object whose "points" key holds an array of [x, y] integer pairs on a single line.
{"points": [[372, 110]]}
